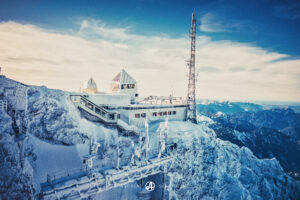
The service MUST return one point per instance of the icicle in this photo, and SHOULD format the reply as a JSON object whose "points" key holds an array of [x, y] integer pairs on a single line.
{"points": [[140, 140], [166, 133], [132, 162], [161, 146], [94, 147], [118, 155], [90, 145], [146, 140]]}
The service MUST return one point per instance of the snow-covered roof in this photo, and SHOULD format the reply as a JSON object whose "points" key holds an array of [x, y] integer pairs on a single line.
{"points": [[90, 84], [124, 77]]}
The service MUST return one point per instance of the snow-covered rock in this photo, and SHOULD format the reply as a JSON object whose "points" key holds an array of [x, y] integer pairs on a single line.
{"points": [[15, 175], [53, 117], [209, 168], [205, 167]]}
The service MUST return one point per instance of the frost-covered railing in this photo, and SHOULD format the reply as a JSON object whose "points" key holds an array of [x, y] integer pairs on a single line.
{"points": [[98, 111], [105, 115], [128, 128], [88, 184]]}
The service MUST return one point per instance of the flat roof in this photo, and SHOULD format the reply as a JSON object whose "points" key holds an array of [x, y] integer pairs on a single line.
{"points": [[147, 106]]}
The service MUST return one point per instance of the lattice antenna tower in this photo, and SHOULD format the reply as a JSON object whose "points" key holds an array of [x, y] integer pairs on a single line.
{"points": [[191, 96]]}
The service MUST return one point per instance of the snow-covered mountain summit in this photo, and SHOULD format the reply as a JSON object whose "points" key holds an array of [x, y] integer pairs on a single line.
{"points": [[204, 166]]}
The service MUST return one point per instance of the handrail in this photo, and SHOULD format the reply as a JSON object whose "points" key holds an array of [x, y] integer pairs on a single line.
{"points": [[104, 180], [102, 113], [98, 110], [100, 107]]}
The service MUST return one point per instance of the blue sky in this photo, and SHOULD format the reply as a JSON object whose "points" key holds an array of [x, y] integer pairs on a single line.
{"points": [[274, 25], [245, 50]]}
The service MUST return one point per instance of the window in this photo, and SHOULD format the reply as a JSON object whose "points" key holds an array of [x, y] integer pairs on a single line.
{"points": [[165, 113], [174, 112], [122, 86], [82, 101], [137, 115], [143, 115], [111, 116], [136, 95], [154, 114], [159, 113], [90, 106], [170, 113], [119, 116]]}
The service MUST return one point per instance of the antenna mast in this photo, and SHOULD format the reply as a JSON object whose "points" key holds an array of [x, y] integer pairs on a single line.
{"points": [[191, 96]]}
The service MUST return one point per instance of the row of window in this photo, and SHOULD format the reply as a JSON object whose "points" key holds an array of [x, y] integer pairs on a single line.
{"points": [[142, 115], [127, 86], [155, 114]]}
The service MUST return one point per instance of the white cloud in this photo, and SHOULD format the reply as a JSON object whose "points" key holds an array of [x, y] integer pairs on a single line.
{"points": [[210, 23], [227, 70]]}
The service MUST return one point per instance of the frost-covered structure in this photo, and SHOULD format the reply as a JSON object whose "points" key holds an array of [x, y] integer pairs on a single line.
{"points": [[123, 104], [14, 92], [204, 166]]}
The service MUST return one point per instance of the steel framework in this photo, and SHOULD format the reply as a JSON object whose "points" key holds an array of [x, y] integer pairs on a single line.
{"points": [[191, 96]]}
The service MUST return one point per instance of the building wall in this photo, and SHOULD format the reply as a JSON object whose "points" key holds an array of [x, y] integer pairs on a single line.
{"points": [[119, 88], [132, 92], [111, 99], [90, 90], [115, 87], [124, 115], [140, 122]]}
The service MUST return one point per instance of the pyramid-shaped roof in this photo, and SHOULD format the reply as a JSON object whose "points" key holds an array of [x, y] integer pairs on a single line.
{"points": [[124, 77], [90, 84]]}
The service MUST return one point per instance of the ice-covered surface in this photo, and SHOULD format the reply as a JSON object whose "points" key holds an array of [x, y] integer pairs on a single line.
{"points": [[205, 168], [127, 127], [54, 159], [53, 117], [209, 168], [15, 180]]}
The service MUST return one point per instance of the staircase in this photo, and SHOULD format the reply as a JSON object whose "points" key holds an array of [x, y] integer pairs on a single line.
{"points": [[103, 115]]}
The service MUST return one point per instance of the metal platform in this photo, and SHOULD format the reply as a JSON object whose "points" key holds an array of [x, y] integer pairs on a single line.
{"points": [[84, 184]]}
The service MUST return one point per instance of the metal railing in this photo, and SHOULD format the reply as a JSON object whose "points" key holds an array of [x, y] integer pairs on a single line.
{"points": [[107, 116], [97, 182]]}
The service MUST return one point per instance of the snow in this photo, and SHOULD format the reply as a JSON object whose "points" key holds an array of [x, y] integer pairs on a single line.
{"points": [[55, 159], [218, 114], [217, 169], [205, 167], [204, 119]]}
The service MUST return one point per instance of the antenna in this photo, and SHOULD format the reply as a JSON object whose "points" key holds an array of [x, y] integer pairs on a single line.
{"points": [[191, 96]]}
